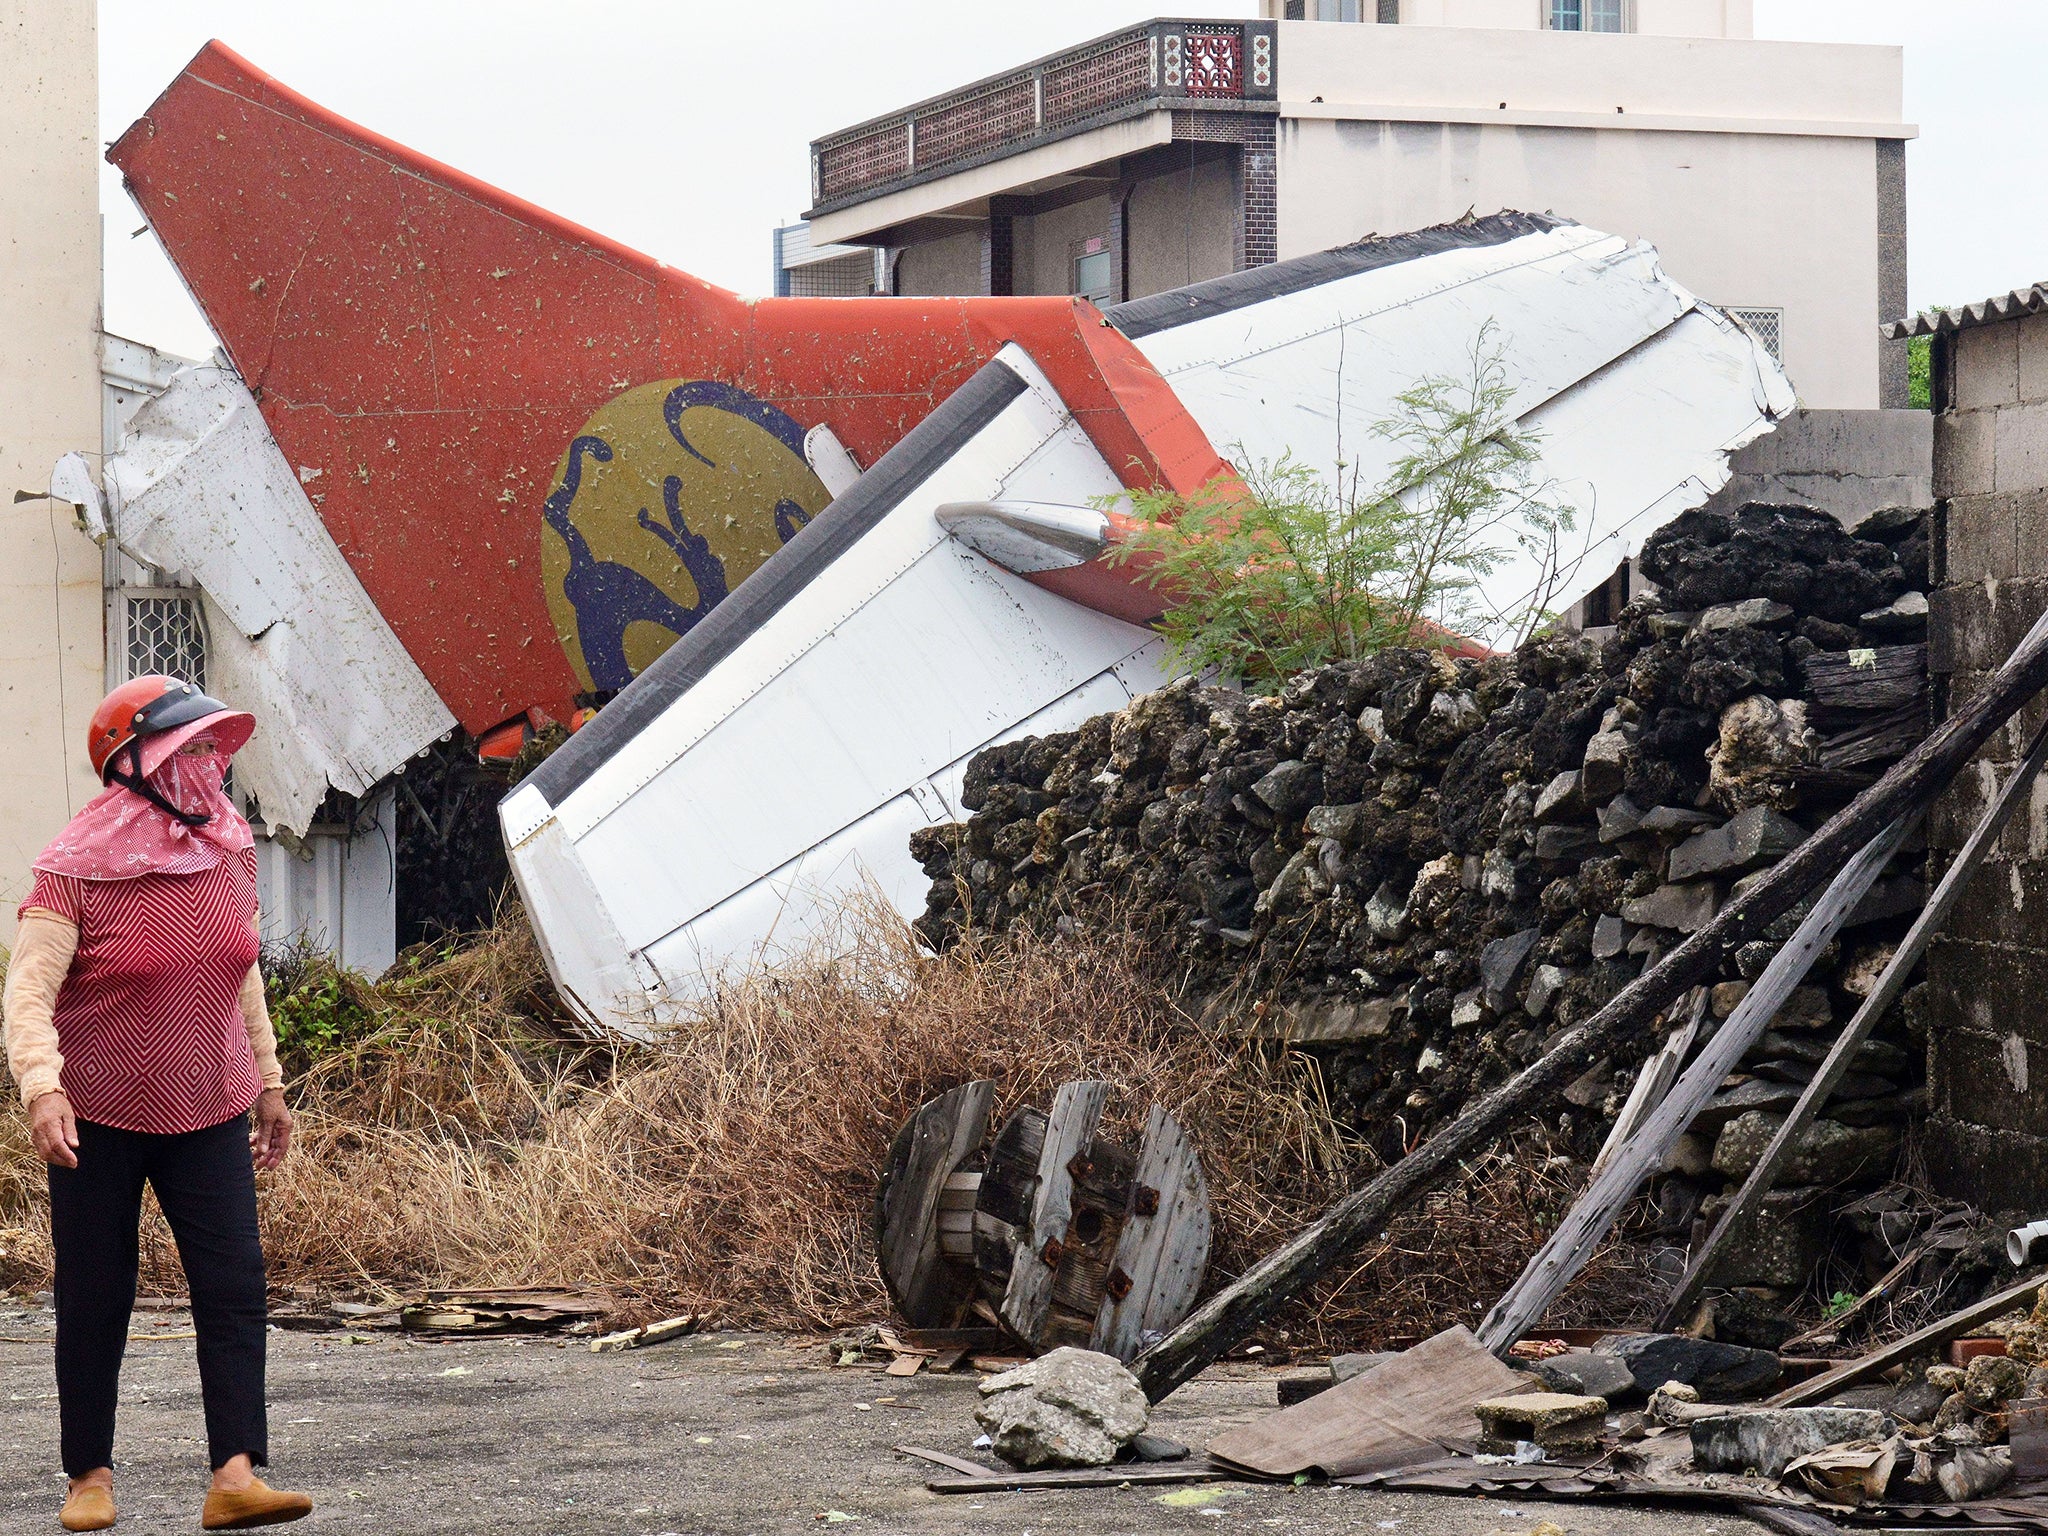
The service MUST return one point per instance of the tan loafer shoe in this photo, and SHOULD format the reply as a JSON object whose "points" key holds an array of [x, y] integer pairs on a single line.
{"points": [[89, 1509], [258, 1504]]}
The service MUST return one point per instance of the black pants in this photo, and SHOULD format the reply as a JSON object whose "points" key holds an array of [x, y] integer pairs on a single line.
{"points": [[206, 1186]]}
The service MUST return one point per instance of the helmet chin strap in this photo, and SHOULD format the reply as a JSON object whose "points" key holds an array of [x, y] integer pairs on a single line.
{"points": [[132, 780]]}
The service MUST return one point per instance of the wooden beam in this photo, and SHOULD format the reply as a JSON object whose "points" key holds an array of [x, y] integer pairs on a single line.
{"points": [[1910, 785], [1818, 1389], [1568, 1248], [1738, 1212]]}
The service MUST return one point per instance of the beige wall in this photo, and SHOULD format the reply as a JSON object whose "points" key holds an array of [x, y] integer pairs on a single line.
{"points": [[941, 268], [51, 653], [1571, 72], [1744, 220], [1047, 266], [1182, 228]]}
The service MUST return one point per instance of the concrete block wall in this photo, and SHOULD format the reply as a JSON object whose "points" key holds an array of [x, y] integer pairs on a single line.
{"points": [[1845, 463], [1986, 1004]]}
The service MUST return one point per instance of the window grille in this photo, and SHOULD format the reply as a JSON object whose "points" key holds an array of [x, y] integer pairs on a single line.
{"points": [[1589, 16], [165, 634], [1769, 325], [1390, 13], [843, 277]]}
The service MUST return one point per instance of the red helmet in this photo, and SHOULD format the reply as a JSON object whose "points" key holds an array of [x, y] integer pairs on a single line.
{"points": [[148, 707]]}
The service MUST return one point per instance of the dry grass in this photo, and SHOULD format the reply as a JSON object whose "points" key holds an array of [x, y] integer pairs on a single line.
{"points": [[472, 1139]]}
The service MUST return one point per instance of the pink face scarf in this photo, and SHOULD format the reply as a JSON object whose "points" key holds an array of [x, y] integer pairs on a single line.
{"points": [[119, 835]]}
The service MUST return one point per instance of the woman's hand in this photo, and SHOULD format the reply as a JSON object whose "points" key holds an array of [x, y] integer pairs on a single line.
{"points": [[54, 1130], [270, 1132]]}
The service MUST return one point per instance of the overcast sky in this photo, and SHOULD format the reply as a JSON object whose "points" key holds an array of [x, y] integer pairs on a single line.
{"points": [[681, 129]]}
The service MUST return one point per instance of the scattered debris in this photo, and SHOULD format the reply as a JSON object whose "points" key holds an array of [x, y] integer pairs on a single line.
{"points": [[651, 1333], [1070, 1408], [537, 1309], [1556, 1423], [1768, 1440]]}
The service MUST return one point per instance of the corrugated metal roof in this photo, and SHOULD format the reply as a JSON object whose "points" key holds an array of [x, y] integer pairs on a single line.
{"points": [[2021, 301]]}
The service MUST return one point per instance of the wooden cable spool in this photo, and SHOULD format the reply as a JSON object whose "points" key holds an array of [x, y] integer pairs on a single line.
{"points": [[1066, 1235]]}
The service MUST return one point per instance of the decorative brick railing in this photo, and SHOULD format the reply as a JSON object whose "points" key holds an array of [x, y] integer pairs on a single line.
{"points": [[1159, 64]]}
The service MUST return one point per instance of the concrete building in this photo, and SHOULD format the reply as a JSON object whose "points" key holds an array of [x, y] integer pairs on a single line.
{"points": [[52, 655], [1987, 1135], [1771, 176]]}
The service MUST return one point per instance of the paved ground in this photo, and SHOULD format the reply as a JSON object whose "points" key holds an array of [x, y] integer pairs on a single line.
{"points": [[719, 1435]]}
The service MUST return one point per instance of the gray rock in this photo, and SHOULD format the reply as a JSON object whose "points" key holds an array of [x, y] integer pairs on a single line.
{"points": [[1501, 964], [1587, 1372], [1372, 724], [1667, 819], [1561, 800], [1610, 937], [1544, 986], [1605, 768], [1727, 996], [1386, 915], [1916, 1402], [1768, 1440], [1781, 1247], [1290, 789], [1681, 908], [1904, 616], [1893, 896], [1620, 817], [1452, 715], [1759, 835], [1338, 821], [1720, 1371], [1750, 613], [1826, 1153], [1754, 1093], [1497, 881], [1070, 1408], [1468, 1010], [1566, 844]]}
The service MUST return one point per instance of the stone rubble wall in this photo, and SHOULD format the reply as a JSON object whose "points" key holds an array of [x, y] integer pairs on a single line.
{"points": [[1422, 869]]}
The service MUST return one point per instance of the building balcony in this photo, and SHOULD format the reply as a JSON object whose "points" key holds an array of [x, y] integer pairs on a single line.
{"points": [[1165, 65]]}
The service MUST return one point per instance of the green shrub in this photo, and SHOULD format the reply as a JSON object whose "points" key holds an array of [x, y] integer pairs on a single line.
{"points": [[1285, 567]]}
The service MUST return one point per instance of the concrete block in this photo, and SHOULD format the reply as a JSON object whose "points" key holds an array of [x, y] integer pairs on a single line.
{"points": [[1983, 538], [2021, 448], [1987, 367], [2004, 905], [2032, 333], [1993, 1080], [1560, 1422], [1992, 1169], [1993, 989], [1965, 453]]}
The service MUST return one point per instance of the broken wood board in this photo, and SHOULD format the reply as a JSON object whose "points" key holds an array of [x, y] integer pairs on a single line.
{"points": [[1163, 1249], [1820, 1388], [1408, 1409], [532, 1309], [1069, 1130], [1890, 984], [640, 1338], [1568, 1247], [928, 1290], [1139, 1475]]}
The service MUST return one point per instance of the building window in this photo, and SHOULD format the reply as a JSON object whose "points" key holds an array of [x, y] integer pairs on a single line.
{"points": [[1769, 326], [1094, 272], [1390, 13], [1589, 15], [1339, 10], [164, 634]]}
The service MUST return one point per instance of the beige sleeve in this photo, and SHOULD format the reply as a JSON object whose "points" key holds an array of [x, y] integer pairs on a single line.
{"points": [[43, 946], [256, 1019]]}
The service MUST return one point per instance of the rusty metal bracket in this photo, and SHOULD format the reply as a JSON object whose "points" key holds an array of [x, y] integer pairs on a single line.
{"points": [[1145, 1201], [1053, 1251]]}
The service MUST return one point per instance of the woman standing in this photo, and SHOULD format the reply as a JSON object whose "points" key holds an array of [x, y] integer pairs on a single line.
{"points": [[137, 1032]]}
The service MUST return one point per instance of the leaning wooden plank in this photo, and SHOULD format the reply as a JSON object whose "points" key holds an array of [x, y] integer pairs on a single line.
{"points": [[1653, 1082], [1910, 785], [1404, 1410], [1818, 1389], [1151, 1474], [1572, 1243], [1736, 1215], [1070, 1127]]}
